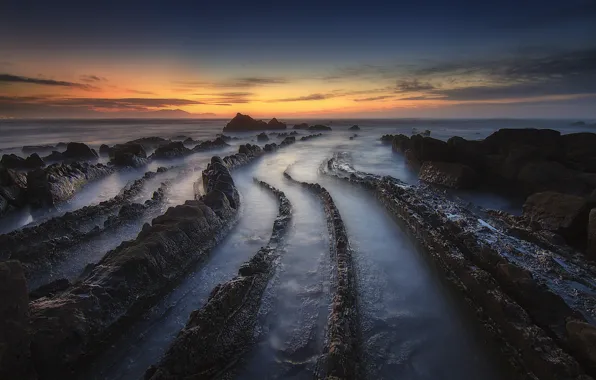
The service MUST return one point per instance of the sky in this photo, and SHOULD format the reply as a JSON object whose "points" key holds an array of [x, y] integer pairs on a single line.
{"points": [[378, 59]]}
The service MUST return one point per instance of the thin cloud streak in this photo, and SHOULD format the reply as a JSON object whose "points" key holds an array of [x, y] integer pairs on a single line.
{"points": [[9, 78]]}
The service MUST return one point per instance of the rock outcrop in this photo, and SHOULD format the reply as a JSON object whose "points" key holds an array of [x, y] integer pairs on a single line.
{"points": [[448, 174], [56, 183], [171, 150], [506, 273], [12, 161], [218, 143], [354, 128], [245, 123], [300, 126], [340, 359], [591, 251], [566, 215], [319, 127], [13, 188], [221, 331], [71, 327], [39, 245], [131, 154], [262, 137], [15, 337], [150, 142], [523, 161], [79, 151], [276, 124]]}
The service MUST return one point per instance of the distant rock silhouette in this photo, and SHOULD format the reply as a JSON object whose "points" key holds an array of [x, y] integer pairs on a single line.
{"points": [[301, 126], [242, 123]]}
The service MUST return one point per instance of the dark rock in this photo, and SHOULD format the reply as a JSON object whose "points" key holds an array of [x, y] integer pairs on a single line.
{"points": [[387, 139], [180, 137], [55, 156], [130, 154], [580, 152], [57, 183], [190, 141], [226, 138], [124, 283], [61, 145], [591, 251], [275, 124], [209, 145], [150, 142], [400, 143], [49, 290], [550, 175], [162, 169], [12, 161], [300, 126], [27, 149], [566, 215], [262, 137], [288, 140], [171, 150], [105, 150], [13, 186], [547, 140], [15, 355], [270, 147], [429, 149], [354, 128], [242, 122], [319, 127], [454, 175], [79, 151], [582, 337]]}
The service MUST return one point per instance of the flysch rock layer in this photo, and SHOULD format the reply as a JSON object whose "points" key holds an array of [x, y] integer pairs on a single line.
{"points": [[221, 331], [538, 302], [340, 359]]}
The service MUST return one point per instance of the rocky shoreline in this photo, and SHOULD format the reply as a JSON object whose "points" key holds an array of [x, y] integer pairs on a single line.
{"points": [[221, 331], [340, 359], [547, 324], [42, 241]]}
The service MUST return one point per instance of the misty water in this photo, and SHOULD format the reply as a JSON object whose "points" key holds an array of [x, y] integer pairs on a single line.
{"points": [[413, 326]]}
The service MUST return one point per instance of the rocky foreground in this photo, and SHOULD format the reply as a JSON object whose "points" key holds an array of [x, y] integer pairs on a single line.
{"points": [[529, 297], [222, 330], [557, 174]]}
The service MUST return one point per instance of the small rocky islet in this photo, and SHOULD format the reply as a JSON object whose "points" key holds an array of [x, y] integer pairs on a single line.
{"points": [[528, 279]]}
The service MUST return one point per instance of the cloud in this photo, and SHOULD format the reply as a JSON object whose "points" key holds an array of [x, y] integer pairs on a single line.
{"points": [[413, 85], [373, 98], [139, 92], [8, 78], [237, 97], [304, 98], [242, 82], [92, 78]]}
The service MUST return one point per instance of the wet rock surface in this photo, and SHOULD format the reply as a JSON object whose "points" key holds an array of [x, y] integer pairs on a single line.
{"points": [[340, 359], [70, 327], [39, 245], [131, 154], [15, 338], [171, 150], [59, 182], [221, 331], [448, 174], [79, 151], [13, 190], [261, 137], [508, 279]]}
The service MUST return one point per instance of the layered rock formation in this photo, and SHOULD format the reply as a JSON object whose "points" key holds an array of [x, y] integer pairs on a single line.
{"points": [[72, 326], [13, 190], [300, 126], [15, 337], [342, 352], [56, 183], [543, 326], [221, 331], [319, 127], [41, 244], [171, 150]]}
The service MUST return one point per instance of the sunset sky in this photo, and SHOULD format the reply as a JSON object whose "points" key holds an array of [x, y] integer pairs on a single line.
{"points": [[438, 58]]}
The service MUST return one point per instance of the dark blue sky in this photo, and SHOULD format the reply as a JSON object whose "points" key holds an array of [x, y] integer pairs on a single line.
{"points": [[514, 47]]}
